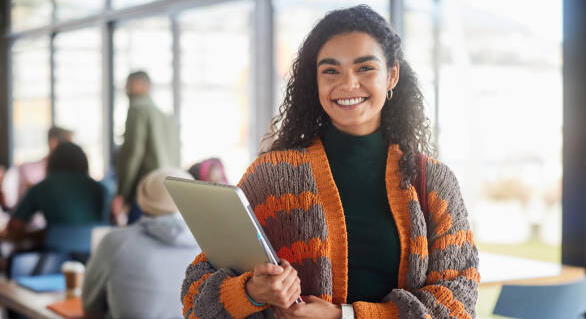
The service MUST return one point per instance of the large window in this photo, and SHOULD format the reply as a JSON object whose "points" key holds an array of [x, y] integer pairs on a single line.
{"points": [[145, 45], [78, 91], [75, 9], [30, 14], [500, 117], [215, 84], [31, 103], [418, 47]]}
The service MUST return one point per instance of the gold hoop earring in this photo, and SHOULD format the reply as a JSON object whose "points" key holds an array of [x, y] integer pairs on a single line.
{"points": [[389, 94]]}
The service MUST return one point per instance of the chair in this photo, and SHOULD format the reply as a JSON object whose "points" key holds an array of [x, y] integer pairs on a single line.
{"points": [[543, 302], [72, 240]]}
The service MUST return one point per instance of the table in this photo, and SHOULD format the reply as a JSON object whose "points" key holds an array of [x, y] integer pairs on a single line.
{"points": [[496, 270], [29, 303]]}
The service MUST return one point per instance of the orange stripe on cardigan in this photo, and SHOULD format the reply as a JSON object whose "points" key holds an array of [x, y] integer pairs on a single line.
{"points": [[233, 297], [294, 158], [459, 238], [437, 208], [337, 239], [286, 202], [427, 316], [199, 259], [399, 201], [471, 274], [445, 297], [192, 316], [450, 274], [375, 310], [300, 251], [419, 246], [193, 290]]}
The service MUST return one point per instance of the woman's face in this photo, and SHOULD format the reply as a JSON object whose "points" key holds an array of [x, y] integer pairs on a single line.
{"points": [[353, 80]]}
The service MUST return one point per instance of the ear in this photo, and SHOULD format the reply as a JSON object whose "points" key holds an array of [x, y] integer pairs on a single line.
{"points": [[393, 77]]}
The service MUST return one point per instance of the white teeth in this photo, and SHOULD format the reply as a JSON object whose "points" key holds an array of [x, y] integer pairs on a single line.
{"points": [[352, 101]]}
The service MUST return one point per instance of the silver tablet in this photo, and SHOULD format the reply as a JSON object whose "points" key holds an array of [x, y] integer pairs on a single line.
{"points": [[223, 224]]}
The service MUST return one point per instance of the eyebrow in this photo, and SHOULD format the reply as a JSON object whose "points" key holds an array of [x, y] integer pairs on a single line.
{"points": [[356, 61]]}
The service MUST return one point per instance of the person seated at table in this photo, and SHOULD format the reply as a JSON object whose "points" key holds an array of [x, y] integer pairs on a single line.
{"points": [[67, 196], [209, 170], [137, 272], [31, 173]]}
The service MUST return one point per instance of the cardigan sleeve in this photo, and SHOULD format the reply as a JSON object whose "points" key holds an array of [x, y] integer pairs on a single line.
{"points": [[450, 287], [208, 292], [215, 293]]}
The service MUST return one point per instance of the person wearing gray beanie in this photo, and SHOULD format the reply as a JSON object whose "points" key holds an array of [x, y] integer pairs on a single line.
{"points": [[137, 272]]}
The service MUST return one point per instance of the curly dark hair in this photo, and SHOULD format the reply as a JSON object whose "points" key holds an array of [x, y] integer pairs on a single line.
{"points": [[67, 157], [301, 117]]}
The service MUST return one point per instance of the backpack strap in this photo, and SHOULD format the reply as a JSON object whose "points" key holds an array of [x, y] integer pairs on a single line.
{"points": [[421, 183]]}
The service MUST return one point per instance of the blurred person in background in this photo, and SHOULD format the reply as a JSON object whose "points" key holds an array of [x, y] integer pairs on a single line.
{"points": [[137, 272], [336, 195], [151, 141], [209, 170], [67, 196], [31, 173]]}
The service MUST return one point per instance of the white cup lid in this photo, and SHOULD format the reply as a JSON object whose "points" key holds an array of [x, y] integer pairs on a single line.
{"points": [[72, 266]]}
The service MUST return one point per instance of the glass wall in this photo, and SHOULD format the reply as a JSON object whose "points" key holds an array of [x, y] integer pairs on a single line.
{"points": [[418, 46], [146, 45], [31, 98], [501, 83], [27, 14], [78, 91], [75, 9], [215, 71]]}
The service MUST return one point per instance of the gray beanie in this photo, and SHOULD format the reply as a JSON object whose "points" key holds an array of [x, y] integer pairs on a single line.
{"points": [[152, 197]]}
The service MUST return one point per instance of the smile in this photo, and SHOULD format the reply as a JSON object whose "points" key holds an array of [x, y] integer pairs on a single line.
{"points": [[350, 101]]}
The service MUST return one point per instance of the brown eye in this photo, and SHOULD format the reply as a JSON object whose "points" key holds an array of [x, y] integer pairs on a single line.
{"points": [[365, 68], [329, 71]]}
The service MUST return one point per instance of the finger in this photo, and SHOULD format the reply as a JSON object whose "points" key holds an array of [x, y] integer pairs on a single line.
{"points": [[289, 278], [267, 269], [295, 294], [285, 275]]}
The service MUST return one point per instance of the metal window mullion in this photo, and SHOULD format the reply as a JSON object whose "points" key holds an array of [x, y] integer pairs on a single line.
{"points": [[6, 120], [155, 8], [436, 12], [263, 75], [397, 12], [52, 77], [107, 92], [176, 66]]}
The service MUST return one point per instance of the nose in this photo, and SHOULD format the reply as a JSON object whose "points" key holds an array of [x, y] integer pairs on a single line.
{"points": [[349, 81]]}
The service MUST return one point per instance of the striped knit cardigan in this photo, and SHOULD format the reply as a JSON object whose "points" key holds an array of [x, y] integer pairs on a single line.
{"points": [[298, 205]]}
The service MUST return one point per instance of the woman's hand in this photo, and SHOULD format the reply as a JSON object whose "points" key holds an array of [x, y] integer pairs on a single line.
{"points": [[312, 307], [276, 285]]}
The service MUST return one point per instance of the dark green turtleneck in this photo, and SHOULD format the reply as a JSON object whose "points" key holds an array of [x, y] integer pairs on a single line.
{"points": [[358, 166]]}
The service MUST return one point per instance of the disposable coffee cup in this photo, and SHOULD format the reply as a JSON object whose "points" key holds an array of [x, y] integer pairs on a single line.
{"points": [[73, 273]]}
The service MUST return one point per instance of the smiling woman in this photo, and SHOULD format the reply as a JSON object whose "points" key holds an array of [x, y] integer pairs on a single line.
{"points": [[335, 195]]}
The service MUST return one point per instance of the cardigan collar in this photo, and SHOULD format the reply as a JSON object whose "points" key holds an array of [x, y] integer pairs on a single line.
{"points": [[337, 241]]}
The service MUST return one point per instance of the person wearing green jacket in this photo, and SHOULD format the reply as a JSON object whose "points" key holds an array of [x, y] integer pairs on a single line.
{"points": [[151, 141]]}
